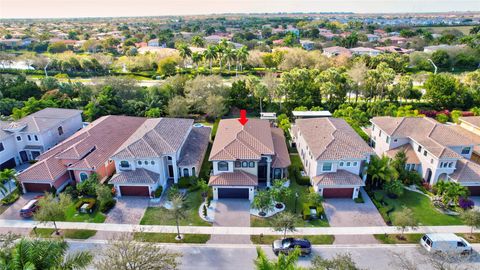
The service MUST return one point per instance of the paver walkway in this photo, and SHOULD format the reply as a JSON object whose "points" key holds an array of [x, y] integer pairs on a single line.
{"points": [[347, 213], [228, 213]]}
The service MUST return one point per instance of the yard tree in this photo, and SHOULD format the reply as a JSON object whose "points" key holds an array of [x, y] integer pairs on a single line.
{"points": [[339, 262], [43, 254], [5, 177], [405, 219], [283, 222], [300, 88], [177, 211], [380, 171], [443, 90], [215, 106], [263, 202], [123, 253], [283, 262], [472, 219], [404, 87], [167, 66], [394, 188], [104, 197], [198, 41], [178, 107], [184, 51], [280, 193], [358, 73], [52, 209], [200, 88], [441, 59]]}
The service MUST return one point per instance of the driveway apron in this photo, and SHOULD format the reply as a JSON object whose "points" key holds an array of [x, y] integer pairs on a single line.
{"points": [[231, 213]]}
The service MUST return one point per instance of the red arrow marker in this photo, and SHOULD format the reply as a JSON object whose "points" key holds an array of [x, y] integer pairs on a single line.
{"points": [[243, 117]]}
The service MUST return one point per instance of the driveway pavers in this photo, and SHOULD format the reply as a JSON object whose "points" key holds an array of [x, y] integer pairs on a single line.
{"points": [[13, 211], [231, 213], [128, 210], [347, 213]]}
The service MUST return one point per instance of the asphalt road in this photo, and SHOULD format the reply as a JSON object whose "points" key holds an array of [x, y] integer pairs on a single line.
{"points": [[242, 256]]}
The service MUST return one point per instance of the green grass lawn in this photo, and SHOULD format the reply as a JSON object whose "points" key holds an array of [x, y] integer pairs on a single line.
{"points": [[290, 204], [314, 239], [72, 215], [161, 215], [170, 238], [70, 233], [413, 238], [42, 232], [422, 208]]}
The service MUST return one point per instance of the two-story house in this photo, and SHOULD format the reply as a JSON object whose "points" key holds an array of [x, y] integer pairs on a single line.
{"points": [[436, 151], [471, 125], [132, 146], [245, 157], [161, 149], [333, 154], [25, 139]]}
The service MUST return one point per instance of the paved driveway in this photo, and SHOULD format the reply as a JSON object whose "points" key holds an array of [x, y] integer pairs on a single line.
{"points": [[347, 213], [231, 213], [13, 211], [128, 210]]}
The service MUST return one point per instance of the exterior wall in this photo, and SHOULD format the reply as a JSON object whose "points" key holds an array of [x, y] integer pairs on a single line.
{"points": [[251, 191], [151, 188], [159, 166], [253, 170], [51, 137], [9, 151], [216, 171], [61, 180]]}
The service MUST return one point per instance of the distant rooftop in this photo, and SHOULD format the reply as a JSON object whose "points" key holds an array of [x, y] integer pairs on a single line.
{"points": [[303, 114]]}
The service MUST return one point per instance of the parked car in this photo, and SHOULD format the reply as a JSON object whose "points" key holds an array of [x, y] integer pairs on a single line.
{"points": [[445, 243], [29, 208], [287, 245]]}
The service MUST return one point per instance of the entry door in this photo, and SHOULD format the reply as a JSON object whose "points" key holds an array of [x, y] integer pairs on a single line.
{"points": [[23, 156], [170, 171]]}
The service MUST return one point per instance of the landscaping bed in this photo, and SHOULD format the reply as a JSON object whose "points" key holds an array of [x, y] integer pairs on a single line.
{"points": [[73, 215], [411, 238], [314, 239], [170, 238]]}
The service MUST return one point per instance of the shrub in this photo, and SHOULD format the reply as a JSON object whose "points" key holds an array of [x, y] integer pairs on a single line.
{"points": [[11, 198], [172, 192], [306, 212], [105, 207], [90, 201], [158, 192], [378, 196], [293, 173], [72, 191], [303, 180], [204, 210], [442, 118], [394, 188], [89, 186], [465, 203], [412, 178], [359, 199], [186, 182]]}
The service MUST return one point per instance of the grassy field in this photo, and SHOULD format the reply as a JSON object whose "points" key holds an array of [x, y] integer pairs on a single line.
{"points": [[160, 215], [314, 239], [72, 215], [170, 238], [422, 208], [393, 238], [465, 29], [71, 233]]}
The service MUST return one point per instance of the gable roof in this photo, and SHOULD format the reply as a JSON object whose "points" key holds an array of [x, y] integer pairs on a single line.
{"points": [[472, 120], [435, 137], [155, 137], [466, 172], [195, 147], [410, 153], [235, 178], [234, 141], [137, 176], [332, 139], [282, 157], [43, 120]]}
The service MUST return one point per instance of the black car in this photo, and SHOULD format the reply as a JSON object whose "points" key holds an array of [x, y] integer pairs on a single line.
{"points": [[287, 245]]}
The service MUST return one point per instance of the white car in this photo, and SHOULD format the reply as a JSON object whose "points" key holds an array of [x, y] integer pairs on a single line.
{"points": [[446, 243]]}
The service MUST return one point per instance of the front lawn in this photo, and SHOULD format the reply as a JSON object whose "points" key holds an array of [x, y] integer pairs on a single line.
{"points": [[170, 238], [161, 215], [471, 238], [422, 207], [413, 238], [314, 239], [69, 233], [72, 215]]}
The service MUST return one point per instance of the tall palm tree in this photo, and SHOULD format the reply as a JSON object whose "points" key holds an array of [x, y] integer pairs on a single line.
{"points": [[380, 170], [177, 211], [198, 41], [241, 56], [184, 52], [222, 46], [283, 262], [5, 177], [229, 55], [43, 254], [210, 54], [197, 58]]}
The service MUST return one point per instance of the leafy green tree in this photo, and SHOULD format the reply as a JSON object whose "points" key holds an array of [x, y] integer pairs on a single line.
{"points": [[153, 112], [43, 254], [107, 102], [104, 197], [339, 262], [88, 187], [198, 41], [284, 262], [263, 202], [380, 171], [300, 88], [443, 91], [215, 106], [5, 177], [283, 222], [52, 209], [441, 59], [184, 52], [210, 54], [178, 107], [394, 188], [472, 219], [279, 192], [241, 57], [57, 47], [405, 219], [197, 58], [167, 66]]}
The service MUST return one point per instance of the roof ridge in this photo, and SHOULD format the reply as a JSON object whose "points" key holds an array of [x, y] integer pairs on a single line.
{"points": [[243, 129], [399, 124], [330, 142]]}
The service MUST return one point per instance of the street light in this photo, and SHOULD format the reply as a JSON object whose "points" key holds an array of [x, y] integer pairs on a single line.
{"points": [[296, 199]]}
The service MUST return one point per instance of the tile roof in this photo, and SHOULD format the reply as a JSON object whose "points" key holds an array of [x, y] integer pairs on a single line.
{"points": [[410, 153], [195, 146], [44, 119], [138, 176], [338, 178], [472, 136], [435, 137], [472, 120], [234, 141], [282, 157], [156, 137], [101, 138], [236, 178], [332, 139], [466, 172]]}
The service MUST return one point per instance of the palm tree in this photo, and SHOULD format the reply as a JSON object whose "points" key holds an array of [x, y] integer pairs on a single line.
{"points": [[198, 41], [284, 262], [5, 177], [229, 55], [184, 52], [222, 46], [210, 54], [241, 56], [380, 170], [177, 210], [43, 254], [197, 58]]}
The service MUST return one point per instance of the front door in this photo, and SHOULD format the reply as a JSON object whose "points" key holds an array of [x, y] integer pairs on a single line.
{"points": [[170, 171], [23, 156]]}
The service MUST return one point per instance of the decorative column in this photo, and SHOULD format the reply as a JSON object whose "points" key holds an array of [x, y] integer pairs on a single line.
{"points": [[269, 165], [175, 169]]}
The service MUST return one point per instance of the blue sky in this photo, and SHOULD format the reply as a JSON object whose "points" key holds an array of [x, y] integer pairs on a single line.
{"points": [[115, 8]]}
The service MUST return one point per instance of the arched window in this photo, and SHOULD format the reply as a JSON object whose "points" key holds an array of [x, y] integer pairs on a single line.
{"points": [[244, 164], [223, 166], [139, 162], [124, 164], [152, 162], [83, 176], [193, 171], [251, 164], [185, 172]]}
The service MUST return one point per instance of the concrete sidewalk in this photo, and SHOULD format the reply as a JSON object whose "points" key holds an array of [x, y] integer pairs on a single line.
{"points": [[18, 224]]}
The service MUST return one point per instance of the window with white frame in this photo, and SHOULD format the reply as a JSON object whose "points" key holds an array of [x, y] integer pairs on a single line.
{"points": [[327, 167], [223, 166], [341, 164], [466, 150], [83, 176]]}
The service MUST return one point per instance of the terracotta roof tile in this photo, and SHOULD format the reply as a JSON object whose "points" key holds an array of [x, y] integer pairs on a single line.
{"points": [[472, 120], [236, 178], [466, 172], [138, 176], [282, 157], [338, 178], [411, 154], [195, 146]]}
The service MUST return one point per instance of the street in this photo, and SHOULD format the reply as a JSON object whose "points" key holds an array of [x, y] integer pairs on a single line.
{"points": [[242, 256]]}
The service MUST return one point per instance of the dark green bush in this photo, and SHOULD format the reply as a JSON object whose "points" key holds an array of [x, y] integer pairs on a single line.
{"points": [[303, 181], [158, 192], [107, 206], [11, 198], [186, 182], [306, 212]]}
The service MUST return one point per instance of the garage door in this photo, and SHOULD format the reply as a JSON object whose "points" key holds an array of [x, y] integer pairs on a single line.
{"points": [[9, 164], [338, 192], [134, 191], [474, 191], [36, 187], [233, 193]]}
